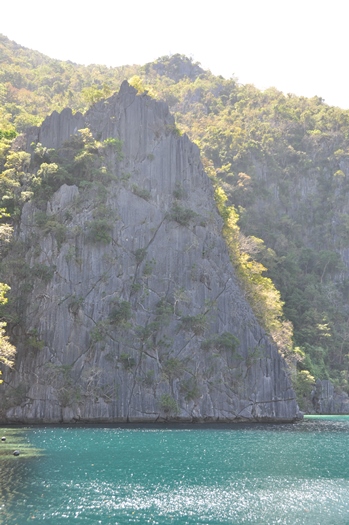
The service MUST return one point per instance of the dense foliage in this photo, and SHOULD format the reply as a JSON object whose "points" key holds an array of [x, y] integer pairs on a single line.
{"points": [[281, 161]]}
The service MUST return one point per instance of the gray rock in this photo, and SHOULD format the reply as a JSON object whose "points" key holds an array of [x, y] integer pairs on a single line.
{"points": [[151, 324], [326, 400]]}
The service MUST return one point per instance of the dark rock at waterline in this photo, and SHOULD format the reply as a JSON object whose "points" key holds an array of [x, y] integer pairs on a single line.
{"points": [[326, 400]]}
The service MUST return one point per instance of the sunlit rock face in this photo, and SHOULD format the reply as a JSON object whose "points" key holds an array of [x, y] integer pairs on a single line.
{"points": [[134, 312]]}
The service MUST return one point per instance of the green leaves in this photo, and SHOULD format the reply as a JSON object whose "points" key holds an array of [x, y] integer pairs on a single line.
{"points": [[181, 215], [260, 291], [7, 350], [169, 405], [225, 341], [120, 313], [194, 323], [99, 231]]}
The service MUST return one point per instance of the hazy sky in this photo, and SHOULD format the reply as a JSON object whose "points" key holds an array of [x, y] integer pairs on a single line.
{"points": [[298, 46]]}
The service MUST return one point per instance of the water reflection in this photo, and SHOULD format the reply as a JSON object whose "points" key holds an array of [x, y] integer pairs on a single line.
{"points": [[282, 474], [15, 473]]}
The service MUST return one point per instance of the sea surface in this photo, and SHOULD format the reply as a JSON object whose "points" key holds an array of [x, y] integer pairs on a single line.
{"points": [[260, 474]]}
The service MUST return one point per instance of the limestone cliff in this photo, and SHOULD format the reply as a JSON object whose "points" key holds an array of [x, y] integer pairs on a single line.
{"points": [[326, 400], [132, 311]]}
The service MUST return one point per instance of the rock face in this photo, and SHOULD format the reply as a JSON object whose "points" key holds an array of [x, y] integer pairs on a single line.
{"points": [[133, 312], [326, 400]]}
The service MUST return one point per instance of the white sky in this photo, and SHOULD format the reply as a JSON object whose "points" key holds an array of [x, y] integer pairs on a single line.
{"points": [[298, 46]]}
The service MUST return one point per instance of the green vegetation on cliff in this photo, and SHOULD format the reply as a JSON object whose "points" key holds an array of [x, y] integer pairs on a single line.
{"points": [[282, 162]]}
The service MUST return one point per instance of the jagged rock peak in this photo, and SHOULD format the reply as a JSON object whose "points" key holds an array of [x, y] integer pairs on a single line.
{"points": [[130, 309]]}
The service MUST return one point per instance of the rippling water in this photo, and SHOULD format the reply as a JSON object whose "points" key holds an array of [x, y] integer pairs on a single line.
{"points": [[272, 474]]}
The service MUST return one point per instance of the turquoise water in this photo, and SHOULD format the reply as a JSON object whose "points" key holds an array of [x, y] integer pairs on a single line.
{"points": [[272, 474]]}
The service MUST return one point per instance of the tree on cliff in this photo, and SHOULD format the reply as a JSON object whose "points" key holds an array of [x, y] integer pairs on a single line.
{"points": [[7, 350]]}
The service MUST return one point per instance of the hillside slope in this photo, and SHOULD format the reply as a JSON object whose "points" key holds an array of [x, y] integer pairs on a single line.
{"points": [[281, 159]]}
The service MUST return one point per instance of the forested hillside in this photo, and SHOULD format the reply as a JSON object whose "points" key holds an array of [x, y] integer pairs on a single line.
{"points": [[280, 164]]}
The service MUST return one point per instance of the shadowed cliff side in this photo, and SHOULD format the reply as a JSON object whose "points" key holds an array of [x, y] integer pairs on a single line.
{"points": [[129, 309]]}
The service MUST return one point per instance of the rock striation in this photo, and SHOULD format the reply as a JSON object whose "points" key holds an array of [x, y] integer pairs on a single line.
{"points": [[326, 400], [133, 312]]}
